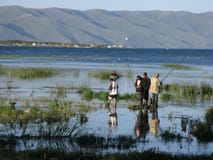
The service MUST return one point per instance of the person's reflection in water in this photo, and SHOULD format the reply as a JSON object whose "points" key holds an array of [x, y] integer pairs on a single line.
{"points": [[113, 121], [142, 125], [154, 121]]}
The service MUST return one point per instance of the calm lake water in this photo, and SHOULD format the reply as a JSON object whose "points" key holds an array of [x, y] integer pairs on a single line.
{"points": [[74, 66]]}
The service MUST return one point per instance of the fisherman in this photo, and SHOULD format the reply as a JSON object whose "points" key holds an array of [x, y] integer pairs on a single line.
{"points": [[155, 89], [113, 93], [139, 88], [146, 85]]}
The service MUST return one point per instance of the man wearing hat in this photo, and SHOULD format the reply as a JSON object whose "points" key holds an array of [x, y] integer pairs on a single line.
{"points": [[155, 89]]}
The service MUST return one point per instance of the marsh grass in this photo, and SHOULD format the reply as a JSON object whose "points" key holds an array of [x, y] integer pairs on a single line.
{"points": [[102, 75], [204, 131], [88, 95], [27, 73], [166, 97], [178, 66], [206, 92], [186, 92], [59, 91]]}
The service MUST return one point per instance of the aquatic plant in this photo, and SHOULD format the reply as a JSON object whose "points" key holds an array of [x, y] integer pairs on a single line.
{"points": [[187, 92], [204, 131], [102, 95], [27, 73], [86, 93], [165, 97], [102, 75], [178, 66], [206, 91], [209, 116], [190, 93], [59, 91]]}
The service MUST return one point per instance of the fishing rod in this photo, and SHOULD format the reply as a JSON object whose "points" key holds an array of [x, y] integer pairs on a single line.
{"points": [[127, 59], [167, 74]]}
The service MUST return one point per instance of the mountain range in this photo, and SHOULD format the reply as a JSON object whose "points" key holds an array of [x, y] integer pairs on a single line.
{"points": [[137, 29]]}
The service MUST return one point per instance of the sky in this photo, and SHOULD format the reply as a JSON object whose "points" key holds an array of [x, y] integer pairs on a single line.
{"points": [[195, 6]]}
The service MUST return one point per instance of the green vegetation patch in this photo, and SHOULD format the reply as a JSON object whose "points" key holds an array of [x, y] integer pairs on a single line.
{"points": [[204, 131], [187, 92], [102, 75], [87, 94], [27, 73], [178, 66]]}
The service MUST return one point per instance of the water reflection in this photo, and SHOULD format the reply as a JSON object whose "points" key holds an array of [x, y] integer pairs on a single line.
{"points": [[112, 121], [142, 125], [154, 121]]}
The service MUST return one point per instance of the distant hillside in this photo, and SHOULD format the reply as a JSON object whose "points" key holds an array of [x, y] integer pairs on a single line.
{"points": [[145, 29]]}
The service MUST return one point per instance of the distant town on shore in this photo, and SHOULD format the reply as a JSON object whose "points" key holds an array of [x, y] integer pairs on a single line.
{"points": [[56, 44]]}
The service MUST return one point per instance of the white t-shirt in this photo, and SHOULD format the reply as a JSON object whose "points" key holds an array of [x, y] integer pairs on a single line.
{"points": [[114, 88]]}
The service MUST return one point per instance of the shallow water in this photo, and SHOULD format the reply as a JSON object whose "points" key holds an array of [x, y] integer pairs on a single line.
{"points": [[74, 72]]}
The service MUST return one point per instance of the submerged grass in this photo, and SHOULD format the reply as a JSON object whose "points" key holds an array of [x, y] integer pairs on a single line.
{"points": [[27, 73]]}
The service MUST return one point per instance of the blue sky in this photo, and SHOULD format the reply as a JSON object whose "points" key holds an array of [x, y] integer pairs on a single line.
{"points": [[195, 6]]}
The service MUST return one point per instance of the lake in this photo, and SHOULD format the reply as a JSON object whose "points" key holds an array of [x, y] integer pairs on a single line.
{"points": [[74, 66]]}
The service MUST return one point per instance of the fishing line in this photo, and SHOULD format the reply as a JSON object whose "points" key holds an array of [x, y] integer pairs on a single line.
{"points": [[127, 60], [167, 74]]}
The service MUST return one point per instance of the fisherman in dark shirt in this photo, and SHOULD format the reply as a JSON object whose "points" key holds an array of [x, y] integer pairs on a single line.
{"points": [[146, 84]]}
